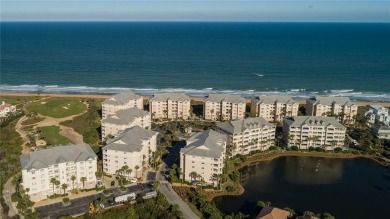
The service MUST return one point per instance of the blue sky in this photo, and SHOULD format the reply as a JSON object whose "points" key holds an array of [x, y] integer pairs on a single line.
{"points": [[201, 10]]}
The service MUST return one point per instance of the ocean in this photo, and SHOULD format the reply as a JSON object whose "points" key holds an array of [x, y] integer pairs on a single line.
{"points": [[297, 59]]}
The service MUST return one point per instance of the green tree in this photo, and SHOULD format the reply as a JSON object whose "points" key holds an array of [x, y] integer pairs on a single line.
{"points": [[64, 187], [53, 182], [83, 179], [57, 183], [136, 170], [73, 178]]}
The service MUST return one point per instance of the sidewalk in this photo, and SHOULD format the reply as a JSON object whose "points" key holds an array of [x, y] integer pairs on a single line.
{"points": [[70, 196]]}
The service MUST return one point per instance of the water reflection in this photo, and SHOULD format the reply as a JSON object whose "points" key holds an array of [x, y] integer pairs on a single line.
{"points": [[309, 171], [338, 186]]}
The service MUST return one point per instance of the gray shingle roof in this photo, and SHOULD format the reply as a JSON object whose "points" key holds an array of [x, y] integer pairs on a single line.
{"points": [[121, 99], [47, 157], [170, 96], [344, 101], [206, 144], [274, 99], [312, 121], [231, 98], [238, 126], [130, 140], [124, 117]]}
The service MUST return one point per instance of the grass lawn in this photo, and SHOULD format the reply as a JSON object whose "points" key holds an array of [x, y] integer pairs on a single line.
{"points": [[58, 107], [88, 124], [18, 100], [194, 209], [51, 135]]}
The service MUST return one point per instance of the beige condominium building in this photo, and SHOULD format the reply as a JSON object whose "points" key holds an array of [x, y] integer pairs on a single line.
{"points": [[340, 107], [120, 102], [134, 147], [204, 155], [313, 131], [246, 135], [274, 108], [170, 106], [224, 107], [123, 119], [61, 163]]}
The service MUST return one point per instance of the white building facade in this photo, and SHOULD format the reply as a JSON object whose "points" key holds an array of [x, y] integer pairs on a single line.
{"points": [[134, 147], [247, 135], [170, 106], [204, 155], [313, 131], [224, 107], [61, 163], [381, 114], [274, 108], [123, 119], [340, 107], [6, 108], [120, 102]]}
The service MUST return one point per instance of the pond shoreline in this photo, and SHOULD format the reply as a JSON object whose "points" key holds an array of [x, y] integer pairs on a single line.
{"points": [[211, 194]]}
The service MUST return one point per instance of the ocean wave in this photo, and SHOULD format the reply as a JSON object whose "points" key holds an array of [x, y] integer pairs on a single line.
{"points": [[297, 93], [341, 91]]}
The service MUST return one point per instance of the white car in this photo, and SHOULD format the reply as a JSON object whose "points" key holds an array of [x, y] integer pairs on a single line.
{"points": [[133, 180]]}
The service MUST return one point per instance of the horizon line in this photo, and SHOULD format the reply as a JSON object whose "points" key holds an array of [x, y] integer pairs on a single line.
{"points": [[168, 21]]}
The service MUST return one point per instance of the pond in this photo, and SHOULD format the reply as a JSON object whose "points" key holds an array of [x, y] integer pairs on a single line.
{"points": [[346, 188]]}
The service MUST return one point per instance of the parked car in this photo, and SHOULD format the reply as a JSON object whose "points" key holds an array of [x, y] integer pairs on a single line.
{"points": [[133, 180], [110, 202], [112, 183]]}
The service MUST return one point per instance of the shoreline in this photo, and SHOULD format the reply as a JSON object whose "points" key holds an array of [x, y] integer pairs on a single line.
{"points": [[276, 154], [193, 98]]}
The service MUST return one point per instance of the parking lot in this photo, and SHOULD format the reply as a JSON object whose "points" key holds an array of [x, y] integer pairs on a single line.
{"points": [[80, 205]]}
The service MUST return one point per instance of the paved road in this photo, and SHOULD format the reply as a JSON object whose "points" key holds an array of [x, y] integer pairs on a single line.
{"points": [[166, 188], [9, 189], [174, 198], [80, 205]]}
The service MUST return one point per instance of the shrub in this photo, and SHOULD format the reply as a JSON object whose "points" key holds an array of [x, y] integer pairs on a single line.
{"points": [[312, 148], [294, 148], [66, 200], [355, 152], [230, 188], [338, 150], [273, 148], [319, 149], [106, 192]]}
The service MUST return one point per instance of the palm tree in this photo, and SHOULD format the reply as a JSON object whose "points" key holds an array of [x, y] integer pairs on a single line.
{"points": [[57, 183], [64, 187], [83, 179], [73, 178], [53, 181], [124, 169], [128, 172], [136, 170], [219, 180], [193, 175]]}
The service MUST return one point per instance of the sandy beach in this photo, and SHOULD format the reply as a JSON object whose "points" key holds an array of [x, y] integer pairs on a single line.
{"points": [[196, 99]]}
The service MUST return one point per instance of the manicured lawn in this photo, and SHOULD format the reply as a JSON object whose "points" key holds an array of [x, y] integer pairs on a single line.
{"points": [[58, 107], [51, 135], [88, 124], [18, 100]]}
